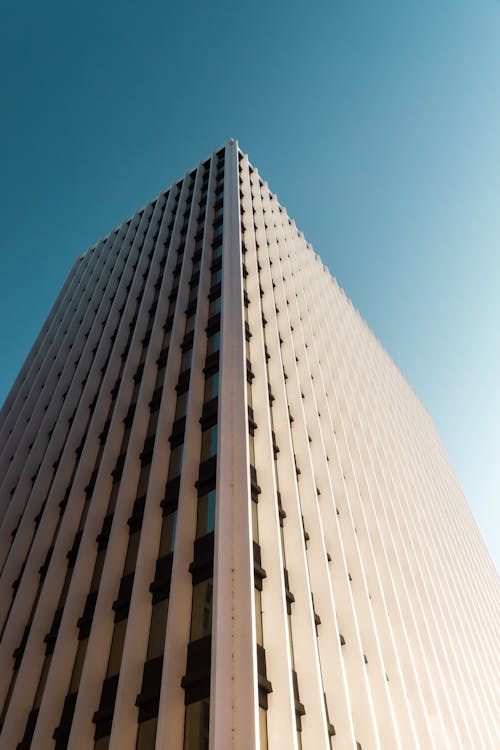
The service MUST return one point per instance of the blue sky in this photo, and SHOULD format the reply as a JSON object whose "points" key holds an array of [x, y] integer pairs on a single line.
{"points": [[377, 125]]}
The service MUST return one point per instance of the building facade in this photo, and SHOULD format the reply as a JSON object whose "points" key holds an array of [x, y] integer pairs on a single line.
{"points": [[226, 519]]}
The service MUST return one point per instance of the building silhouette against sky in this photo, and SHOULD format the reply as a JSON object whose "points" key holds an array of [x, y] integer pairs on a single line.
{"points": [[226, 519]]}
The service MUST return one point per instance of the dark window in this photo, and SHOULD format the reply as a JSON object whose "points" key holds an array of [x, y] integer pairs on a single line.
{"points": [[205, 521], [209, 443], [201, 617], [196, 730]]}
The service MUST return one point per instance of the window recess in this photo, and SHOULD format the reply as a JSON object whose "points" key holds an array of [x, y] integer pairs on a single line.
{"points": [[288, 594], [264, 685]]}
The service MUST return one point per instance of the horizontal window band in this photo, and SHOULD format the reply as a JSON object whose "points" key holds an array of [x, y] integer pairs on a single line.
{"points": [[211, 363], [50, 638], [135, 520], [183, 382], [160, 588], [178, 430], [214, 292], [163, 357], [148, 699], [213, 325], [203, 563], [259, 572], [196, 681], [122, 602], [191, 308], [71, 556], [63, 729], [103, 717], [171, 500], [187, 342], [264, 685], [209, 414], [85, 621], [29, 730], [207, 475], [254, 485]]}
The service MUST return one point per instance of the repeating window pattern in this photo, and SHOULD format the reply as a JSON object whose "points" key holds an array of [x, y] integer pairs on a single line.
{"points": [[196, 681], [333, 493], [144, 246], [367, 617]]}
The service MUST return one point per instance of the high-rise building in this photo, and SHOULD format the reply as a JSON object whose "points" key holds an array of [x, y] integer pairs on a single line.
{"points": [[227, 521]]}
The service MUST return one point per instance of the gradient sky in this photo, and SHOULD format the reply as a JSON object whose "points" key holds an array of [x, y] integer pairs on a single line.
{"points": [[376, 124]]}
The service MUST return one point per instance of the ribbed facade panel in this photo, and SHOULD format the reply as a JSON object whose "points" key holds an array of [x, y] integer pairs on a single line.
{"points": [[226, 520]]}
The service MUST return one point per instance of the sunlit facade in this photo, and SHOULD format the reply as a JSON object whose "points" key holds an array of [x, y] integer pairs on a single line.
{"points": [[227, 521]]}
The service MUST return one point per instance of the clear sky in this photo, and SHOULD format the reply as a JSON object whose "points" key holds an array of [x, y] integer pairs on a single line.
{"points": [[377, 124]]}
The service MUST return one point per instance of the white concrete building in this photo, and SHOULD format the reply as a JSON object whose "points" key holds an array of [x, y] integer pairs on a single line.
{"points": [[227, 521]]}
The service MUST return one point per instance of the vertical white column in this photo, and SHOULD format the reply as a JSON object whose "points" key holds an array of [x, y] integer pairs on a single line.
{"points": [[233, 720]]}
